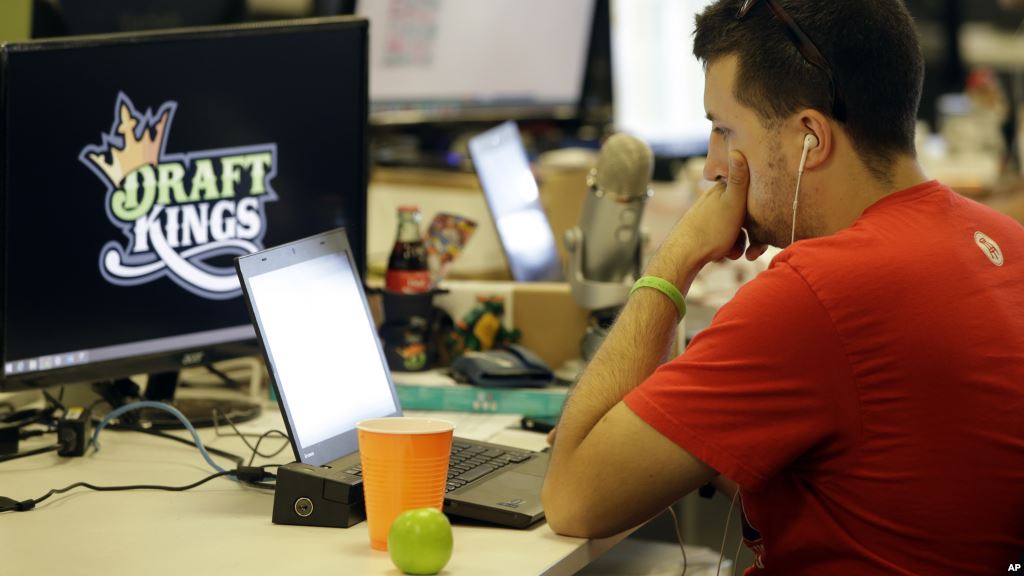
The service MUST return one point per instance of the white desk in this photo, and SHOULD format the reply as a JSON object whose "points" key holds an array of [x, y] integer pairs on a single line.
{"points": [[220, 528]]}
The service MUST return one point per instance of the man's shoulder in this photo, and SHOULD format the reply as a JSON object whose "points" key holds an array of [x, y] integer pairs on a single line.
{"points": [[845, 269], [835, 256], [897, 227], [781, 286]]}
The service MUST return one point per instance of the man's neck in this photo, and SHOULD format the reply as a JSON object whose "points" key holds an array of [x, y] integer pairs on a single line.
{"points": [[907, 173], [862, 190]]}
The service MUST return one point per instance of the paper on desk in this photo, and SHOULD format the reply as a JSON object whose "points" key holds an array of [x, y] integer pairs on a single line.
{"points": [[472, 425], [488, 427], [525, 439], [435, 377]]}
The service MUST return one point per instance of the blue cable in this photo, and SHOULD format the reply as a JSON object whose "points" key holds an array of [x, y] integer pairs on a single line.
{"points": [[161, 406]]}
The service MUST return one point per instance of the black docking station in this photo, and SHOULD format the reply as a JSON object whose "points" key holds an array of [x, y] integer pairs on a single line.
{"points": [[317, 496]]}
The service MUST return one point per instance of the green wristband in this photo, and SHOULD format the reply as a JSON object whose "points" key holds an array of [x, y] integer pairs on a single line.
{"points": [[663, 286]]}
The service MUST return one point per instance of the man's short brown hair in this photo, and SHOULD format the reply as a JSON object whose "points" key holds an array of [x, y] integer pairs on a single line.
{"points": [[873, 51]]}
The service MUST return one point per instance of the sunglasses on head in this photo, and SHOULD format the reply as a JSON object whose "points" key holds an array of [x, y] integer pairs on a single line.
{"points": [[806, 47]]}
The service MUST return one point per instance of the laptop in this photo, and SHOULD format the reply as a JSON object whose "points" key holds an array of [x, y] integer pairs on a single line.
{"points": [[513, 198], [321, 347]]}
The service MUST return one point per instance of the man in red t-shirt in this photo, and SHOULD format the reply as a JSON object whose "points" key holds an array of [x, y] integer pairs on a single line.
{"points": [[865, 394]]}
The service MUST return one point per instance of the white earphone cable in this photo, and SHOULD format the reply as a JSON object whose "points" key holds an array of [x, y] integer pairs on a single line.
{"points": [[809, 142], [679, 535], [728, 517], [796, 199]]}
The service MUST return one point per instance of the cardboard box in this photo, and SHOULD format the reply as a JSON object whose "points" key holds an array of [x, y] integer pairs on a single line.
{"points": [[550, 321]]}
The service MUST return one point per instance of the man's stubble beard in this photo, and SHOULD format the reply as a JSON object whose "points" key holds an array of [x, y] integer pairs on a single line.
{"points": [[776, 189]]}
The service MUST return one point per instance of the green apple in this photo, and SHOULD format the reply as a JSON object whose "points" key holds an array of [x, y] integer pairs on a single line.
{"points": [[420, 541]]}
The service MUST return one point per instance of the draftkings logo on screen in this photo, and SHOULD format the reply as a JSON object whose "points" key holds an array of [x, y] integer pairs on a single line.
{"points": [[178, 211]]}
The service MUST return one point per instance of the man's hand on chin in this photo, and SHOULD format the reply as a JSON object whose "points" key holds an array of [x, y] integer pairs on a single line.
{"points": [[712, 229]]}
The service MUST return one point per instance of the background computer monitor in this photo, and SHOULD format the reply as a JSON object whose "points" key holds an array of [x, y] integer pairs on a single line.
{"points": [[657, 84], [112, 266], [467, 60]]}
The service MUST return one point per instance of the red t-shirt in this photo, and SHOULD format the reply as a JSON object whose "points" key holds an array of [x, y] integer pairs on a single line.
{"points": [[867, 394]]}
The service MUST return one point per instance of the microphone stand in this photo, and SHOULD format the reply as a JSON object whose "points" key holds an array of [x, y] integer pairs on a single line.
{"points": [[604, 299], [590, 294], [620, 181]]}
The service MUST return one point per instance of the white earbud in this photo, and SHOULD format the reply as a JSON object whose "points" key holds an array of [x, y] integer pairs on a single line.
{"points": [[810, 141]]}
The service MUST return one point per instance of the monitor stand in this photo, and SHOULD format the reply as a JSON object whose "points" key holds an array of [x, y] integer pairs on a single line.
{"points": [[201, 412]]}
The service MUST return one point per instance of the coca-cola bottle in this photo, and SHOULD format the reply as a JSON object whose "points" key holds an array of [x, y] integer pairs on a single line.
{"points": [[408, 270]]}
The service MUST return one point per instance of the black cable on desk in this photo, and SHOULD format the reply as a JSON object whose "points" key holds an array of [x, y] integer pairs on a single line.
{"points": [[238, 460], [22, 418], [14, 429], [250, 476], [8, 504], [224, 377], [244, 473], [55, 401], [42, 450], [255, 449]]}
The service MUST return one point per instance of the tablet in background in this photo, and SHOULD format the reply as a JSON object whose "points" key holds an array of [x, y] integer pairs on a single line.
{"points": [[513, 198]]}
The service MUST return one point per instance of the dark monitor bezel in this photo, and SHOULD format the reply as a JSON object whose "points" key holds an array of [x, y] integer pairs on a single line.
{"points": [[174, 358]]}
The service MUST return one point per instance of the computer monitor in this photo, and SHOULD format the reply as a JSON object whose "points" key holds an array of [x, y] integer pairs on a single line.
{"points": [[80, 17], [657, 84], [135, 167], [467, 60]]}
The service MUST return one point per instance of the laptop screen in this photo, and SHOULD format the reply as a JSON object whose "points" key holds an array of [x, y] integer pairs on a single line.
{"points": [[320, 343], [514, 201]]}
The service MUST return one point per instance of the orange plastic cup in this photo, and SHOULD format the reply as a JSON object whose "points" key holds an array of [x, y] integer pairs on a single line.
{"points": [[405, 466]]}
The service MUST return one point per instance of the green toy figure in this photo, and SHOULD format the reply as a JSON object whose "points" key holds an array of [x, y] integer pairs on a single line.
{"points": [[482, 329]]}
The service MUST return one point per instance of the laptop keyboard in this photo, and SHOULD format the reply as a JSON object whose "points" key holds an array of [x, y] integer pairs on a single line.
{"points": [[470, 462]]}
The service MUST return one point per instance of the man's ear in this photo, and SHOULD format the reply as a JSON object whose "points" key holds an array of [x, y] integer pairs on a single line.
{"points": [[815, 123]]}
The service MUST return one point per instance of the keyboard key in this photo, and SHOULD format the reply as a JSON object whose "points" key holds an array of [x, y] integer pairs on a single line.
{"points": [[475, 449], [476, 473], [492, 453]]}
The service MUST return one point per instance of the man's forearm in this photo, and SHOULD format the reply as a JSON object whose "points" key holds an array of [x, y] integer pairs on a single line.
{"points": [[638, 342]]}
